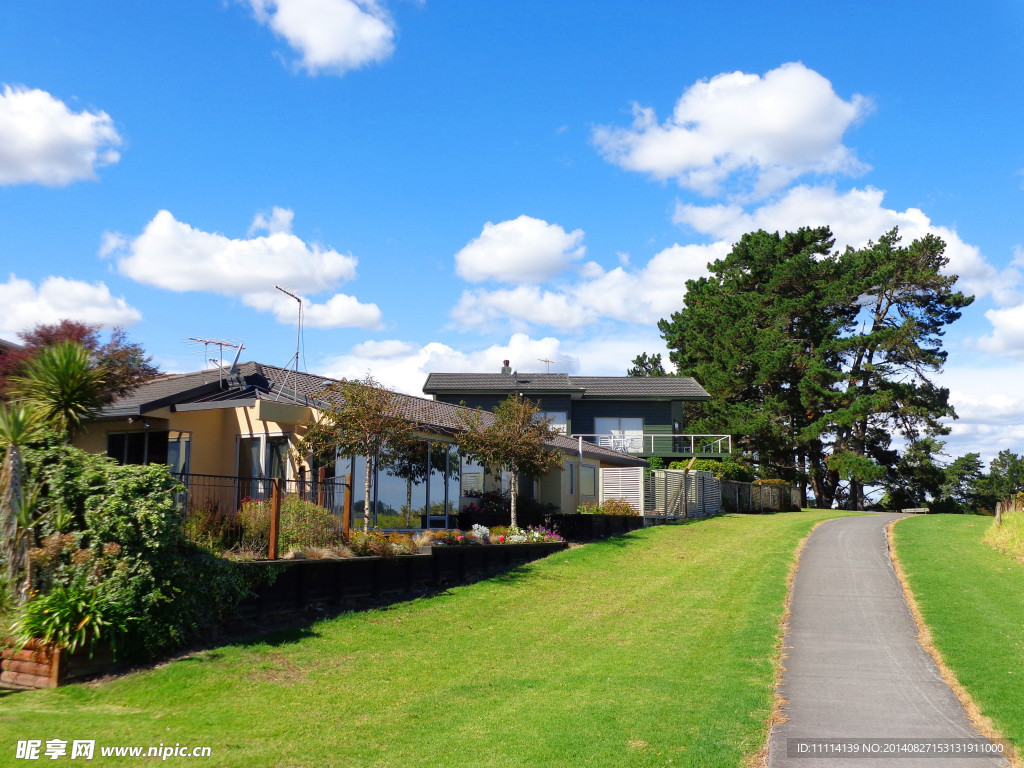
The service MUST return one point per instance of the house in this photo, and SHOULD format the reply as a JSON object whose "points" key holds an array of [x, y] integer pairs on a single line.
{"points": [[636, 415], [229, 432]]}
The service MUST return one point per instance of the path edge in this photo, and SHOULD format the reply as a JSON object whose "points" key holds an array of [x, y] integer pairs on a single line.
{"points": [[777, 715], [924, 637]]}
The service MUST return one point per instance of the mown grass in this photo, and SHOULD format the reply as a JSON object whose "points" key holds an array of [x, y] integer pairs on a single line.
{"points": [[972, 599], [654, 648]]}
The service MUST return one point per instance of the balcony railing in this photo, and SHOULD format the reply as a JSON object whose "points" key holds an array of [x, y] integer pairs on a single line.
{"points": [[661, 444]]}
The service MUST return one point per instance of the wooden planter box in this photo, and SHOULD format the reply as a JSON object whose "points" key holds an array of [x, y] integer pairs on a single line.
{"points": [[43, 666]]}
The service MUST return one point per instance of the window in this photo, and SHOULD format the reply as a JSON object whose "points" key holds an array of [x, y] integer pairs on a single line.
{"points": [[559, 419], [158, 446], [588, 480], [620, 434], [569, 478], [263, 456]]}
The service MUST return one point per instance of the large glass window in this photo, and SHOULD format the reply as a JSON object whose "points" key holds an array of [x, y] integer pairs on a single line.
{"points": [[472, 477], [158, 446], [620, 434]]}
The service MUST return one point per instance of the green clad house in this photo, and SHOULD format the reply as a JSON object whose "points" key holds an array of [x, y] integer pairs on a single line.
{"points": [[640, 416]]}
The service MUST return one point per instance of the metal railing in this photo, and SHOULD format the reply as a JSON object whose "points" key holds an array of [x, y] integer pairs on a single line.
{"points": [[236, 513], [661, 444]]}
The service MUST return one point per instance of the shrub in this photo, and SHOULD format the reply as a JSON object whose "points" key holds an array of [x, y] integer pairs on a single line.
{"points": [[303, 524], [380, 544], [124, 565], [609, 507]]}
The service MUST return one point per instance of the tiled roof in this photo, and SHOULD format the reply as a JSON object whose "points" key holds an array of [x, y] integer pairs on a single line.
{"points": [[498, 382], [661, 387], [640, 386], [255, 380]]}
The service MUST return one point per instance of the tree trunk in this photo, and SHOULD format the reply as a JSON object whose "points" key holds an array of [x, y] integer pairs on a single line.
{"points": [[514, 488], [367, 501]]}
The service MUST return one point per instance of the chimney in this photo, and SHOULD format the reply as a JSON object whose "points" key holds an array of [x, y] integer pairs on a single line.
{"points": [[505, 367]]}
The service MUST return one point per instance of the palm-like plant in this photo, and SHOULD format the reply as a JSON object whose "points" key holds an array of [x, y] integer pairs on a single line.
{"points": [[63, 384]]}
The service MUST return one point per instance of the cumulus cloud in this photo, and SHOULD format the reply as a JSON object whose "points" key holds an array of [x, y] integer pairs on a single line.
{"points": [[407, 366], [643, 295], [330, 36], [772, 129], [58, 298], [173, 255], [42, 141], [522, 250], [855, 217]]}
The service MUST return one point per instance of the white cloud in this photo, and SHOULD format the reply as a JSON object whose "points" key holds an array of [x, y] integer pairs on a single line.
{"points": [[773, 128], [383, 349], [58, 298], [523, 250], [406, 368], [173, 255], [642, 295], [331, 36], [43, 142], [990, 407], [855, 217]]}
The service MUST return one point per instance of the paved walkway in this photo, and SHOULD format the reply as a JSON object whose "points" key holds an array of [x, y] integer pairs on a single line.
{"points": [[853, 667]]}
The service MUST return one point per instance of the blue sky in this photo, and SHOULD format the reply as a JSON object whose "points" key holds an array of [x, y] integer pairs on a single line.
{"points": [[448, 184]]}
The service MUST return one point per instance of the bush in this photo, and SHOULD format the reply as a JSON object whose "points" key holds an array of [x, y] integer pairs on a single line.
{"points": [[124, 565], [380, 544], [303, 524], [610, 507], [723, 469]]}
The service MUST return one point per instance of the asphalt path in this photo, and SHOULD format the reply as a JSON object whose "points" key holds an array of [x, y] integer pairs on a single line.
{"points": [[859, 688]]}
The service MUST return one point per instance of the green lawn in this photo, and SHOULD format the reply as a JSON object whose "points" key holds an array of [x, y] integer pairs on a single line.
{"points": [[972, 598], [654, 648]]}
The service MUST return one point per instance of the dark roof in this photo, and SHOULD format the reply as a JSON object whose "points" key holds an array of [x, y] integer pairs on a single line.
{"points": [[258, 381], [251, 382], [503, 382], [620, 387], [7, 346]]}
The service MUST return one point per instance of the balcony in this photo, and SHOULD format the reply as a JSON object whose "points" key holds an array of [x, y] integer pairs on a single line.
{"points": [[664, 445]]}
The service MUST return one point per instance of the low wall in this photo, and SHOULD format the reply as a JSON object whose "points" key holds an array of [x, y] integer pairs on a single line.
{"points": [[300, 584]]}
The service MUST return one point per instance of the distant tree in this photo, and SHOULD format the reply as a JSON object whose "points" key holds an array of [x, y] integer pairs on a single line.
{"points": [[359, 418], [916, 477], [125, 364], [962, 481], [647, 366], [514, 441], [1005, 476]]}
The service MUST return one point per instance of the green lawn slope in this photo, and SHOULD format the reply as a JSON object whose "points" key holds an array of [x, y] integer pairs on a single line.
{"points": [[972, 599], [654, 648]]}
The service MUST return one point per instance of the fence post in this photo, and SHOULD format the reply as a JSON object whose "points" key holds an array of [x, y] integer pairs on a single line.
{"points": [[346, 507], [321, 476], [275, 516], [999, 513]]}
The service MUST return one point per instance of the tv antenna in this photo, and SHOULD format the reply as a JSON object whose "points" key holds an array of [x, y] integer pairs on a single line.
{"points": [[549, 362], [298, 342], [219, 360]]}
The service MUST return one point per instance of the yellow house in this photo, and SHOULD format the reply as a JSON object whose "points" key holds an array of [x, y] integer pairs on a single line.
{"points": [[235, 430]]}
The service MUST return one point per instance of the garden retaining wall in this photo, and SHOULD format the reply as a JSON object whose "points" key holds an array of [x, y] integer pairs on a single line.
{"points": [[300, 584]]}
